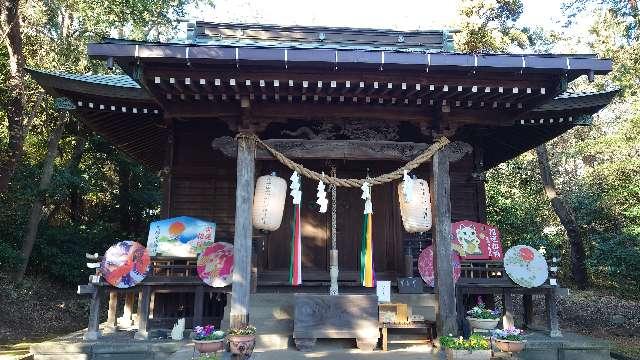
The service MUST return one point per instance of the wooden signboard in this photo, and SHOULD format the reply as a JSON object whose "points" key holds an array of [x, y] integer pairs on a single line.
{"points": [[410, 285]]}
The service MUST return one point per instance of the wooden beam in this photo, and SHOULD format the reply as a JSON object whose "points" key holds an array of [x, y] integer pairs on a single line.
{"points": [[445, 286], [93, 331], [329, 149], [492, 79], [241, 278]]}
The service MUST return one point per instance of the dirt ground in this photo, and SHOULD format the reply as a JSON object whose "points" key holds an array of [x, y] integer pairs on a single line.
{"points": [[39, 309], [596, 314]]}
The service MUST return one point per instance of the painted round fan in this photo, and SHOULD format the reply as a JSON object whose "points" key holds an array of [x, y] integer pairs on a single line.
{"points": [[125, 264], [426, 268], [526, 266], [215, 264]]}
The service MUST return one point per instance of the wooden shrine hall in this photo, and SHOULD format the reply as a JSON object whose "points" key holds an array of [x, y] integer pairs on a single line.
{"points": [[360, 101]]}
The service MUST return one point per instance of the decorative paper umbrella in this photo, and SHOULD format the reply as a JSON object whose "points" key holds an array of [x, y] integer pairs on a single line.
{"points": [[215, 264], [125, 264], [526, 266], [425, 266]]}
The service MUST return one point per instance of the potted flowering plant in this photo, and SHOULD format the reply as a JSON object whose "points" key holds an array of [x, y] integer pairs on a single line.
{"points": [[207, 339], [476, 347], [479, 317], [509, 340], [242, 339]]}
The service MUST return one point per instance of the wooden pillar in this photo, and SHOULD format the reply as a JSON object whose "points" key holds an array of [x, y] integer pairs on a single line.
{"points": [[198, 306], [445, 286], [112, 322], [552, 313], [254, 266], [166, 177], [137, 320], [241, 280], [143, 314], [93, 331], [527, 303], [507, 301], [126, 319], [463, 326]]}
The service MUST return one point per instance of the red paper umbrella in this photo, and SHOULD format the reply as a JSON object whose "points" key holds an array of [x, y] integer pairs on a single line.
{"points": [[426, 268], [125, 264]]}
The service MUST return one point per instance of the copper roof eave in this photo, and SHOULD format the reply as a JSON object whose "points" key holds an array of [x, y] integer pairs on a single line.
{"points": [[117, 87], [126, 52]]}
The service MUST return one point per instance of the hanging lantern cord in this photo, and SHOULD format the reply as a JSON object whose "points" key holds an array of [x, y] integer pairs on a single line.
{"points": [[382, 179]]}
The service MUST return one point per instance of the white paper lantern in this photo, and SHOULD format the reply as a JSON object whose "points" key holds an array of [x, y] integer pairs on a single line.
{"points": [[268, 202], [416, 207]]}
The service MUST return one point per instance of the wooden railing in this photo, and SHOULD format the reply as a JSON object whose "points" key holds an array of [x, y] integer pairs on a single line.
{"points": [[174, 275]]}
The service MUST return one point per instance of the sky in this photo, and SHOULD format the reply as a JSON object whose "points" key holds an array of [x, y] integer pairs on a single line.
{"points": [[399, 14], [380, 14]]}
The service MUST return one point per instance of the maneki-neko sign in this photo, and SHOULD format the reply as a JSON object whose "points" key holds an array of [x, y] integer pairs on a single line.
{"points": [[476, 241]]}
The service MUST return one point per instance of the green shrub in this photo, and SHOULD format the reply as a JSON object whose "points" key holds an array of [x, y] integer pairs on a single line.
{"points": [[474, 342]]}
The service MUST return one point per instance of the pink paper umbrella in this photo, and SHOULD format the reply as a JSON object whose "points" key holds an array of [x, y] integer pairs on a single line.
{"points": [[215, 264], [426, 268]]}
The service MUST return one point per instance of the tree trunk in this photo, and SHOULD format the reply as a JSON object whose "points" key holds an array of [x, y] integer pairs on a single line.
{"points": [[74, 162], [124, 195], [15, 88], [567, 219], [36, 208]]}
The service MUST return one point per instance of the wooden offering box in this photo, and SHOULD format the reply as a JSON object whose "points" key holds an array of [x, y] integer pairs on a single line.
{"points": [[393, 313], [342, 316]]}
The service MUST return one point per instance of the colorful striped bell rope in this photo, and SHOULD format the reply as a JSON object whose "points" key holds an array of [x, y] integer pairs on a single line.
{"points": [[295, 270], [367, 272]]}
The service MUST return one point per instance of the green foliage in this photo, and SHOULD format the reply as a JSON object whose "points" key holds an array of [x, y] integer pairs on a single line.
{"points": [[481, 312], [474, 342], [489, 26], [516, 203], [243, 330], [64, 237], [85, 210]]}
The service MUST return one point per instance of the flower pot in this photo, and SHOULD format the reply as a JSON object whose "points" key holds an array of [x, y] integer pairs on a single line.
{"points": [[468, 355], [484, 324], [209, 346], [241, 344], [509, 346]]}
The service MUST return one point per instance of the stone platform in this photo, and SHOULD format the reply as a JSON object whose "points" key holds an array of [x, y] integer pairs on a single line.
{"points": [[113, 345], [272, 314], [120, 345]]}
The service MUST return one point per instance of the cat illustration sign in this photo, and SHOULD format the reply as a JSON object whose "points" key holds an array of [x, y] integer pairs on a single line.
{"points": [[474, 240]]}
